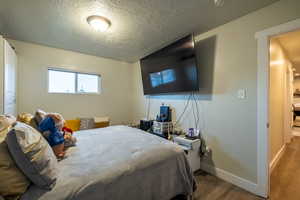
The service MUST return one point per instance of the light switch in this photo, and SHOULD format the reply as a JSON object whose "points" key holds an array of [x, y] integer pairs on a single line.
{"points": [[241, 94]]}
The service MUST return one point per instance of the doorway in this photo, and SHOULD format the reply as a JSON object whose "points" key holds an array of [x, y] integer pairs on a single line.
{"points": [[266, 153], [284, 66]]}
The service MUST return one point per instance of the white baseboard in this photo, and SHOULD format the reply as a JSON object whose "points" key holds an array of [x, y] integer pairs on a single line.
{"points": [[231, 178], [276, 159]]}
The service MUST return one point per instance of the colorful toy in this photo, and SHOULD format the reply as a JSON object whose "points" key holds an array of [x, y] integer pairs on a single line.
{"points": [[51, 126], [70, 140]]}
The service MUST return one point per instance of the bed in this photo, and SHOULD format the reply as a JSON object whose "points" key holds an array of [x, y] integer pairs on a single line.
{"points": [[119, 162]]}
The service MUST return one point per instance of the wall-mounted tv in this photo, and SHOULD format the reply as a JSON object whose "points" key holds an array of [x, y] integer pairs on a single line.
{"points": [[172, 69]]}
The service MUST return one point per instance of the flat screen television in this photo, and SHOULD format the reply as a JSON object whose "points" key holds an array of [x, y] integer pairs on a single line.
{"points": [[172, 69]]}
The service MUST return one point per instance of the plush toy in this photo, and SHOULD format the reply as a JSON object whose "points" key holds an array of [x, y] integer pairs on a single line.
{"points": [[70, 140], [51, 126], [25, 118], [66, 129]]}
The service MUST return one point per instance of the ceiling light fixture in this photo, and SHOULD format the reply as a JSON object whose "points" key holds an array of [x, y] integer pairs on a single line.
{"points": [[277, 62], [99, 23], [219, 3]]}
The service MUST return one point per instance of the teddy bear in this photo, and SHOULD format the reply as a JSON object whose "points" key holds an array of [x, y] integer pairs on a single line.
{"points": [[51, 127]]}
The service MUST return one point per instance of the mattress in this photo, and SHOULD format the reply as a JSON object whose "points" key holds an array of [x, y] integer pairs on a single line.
{"points": [[119, 162]]}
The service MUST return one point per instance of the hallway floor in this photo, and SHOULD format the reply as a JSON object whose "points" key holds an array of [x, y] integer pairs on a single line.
{"points": [[285, 179]]}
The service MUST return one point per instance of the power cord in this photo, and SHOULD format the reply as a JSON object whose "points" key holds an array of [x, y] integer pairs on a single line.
{"points": [[184, 110], [148, 107], [197, 118]]}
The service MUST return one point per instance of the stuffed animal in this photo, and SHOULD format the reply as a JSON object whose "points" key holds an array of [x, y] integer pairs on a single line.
{"points": [[51, 126], [70, 140], [25, 118]]}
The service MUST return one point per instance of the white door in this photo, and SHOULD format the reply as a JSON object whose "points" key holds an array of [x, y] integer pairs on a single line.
{"points": [[10, 78]]}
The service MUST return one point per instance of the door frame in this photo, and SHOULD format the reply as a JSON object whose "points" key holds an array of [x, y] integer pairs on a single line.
{"points": [[263, 72], [9, 68], [288, 101]]}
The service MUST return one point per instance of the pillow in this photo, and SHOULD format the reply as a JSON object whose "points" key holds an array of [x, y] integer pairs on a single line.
{"points": [[87, 123], [13, 182], [74, 124], [27, 118], [34, 124], [33, 155], [6, 121]]}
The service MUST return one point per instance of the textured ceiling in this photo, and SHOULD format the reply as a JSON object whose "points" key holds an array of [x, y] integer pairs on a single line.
{"points": [[138, 26], [290, 43]]}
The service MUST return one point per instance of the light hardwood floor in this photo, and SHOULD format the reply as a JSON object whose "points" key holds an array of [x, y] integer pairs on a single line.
{"points": [[285, 179], [213, 188]]}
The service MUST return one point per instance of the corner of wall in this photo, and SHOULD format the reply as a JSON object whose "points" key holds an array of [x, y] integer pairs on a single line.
{"points": [[1, 73]]}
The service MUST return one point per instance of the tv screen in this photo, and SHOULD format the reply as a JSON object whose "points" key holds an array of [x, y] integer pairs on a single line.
{"points": [[172, 69]]}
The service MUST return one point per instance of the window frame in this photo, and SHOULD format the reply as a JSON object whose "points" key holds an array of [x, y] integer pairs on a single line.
{"points": [[76, 81]]}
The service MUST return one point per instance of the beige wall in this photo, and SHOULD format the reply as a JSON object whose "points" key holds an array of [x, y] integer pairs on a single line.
{"points": [[114, 100], [228, 123], [1, 75], [277, 95]]}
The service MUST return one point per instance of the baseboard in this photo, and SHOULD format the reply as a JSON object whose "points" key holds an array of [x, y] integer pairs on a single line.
{"points": [[231, 178], [276, 159]]}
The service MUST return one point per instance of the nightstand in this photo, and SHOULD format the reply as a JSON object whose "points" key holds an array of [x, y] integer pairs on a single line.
{"points": [[192, 150]]}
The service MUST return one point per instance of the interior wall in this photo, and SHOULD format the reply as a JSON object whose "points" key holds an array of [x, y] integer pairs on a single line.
{"points": [[1, 75], [33, 62], [296, 86], [228, 124], [277, 95]]}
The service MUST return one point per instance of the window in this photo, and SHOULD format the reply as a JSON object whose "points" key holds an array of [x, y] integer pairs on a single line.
{"points": [[87, 83], [60, 81]]}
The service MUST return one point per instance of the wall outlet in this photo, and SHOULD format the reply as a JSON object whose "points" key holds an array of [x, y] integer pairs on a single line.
{"points": [[207, 149], [241, 94]]}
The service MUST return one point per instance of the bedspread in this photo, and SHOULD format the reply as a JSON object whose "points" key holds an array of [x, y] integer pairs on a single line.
{"points": [[119, 162]]}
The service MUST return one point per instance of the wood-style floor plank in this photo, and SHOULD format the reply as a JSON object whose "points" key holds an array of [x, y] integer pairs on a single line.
{"points": [[213, 188], [285, 179]]}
